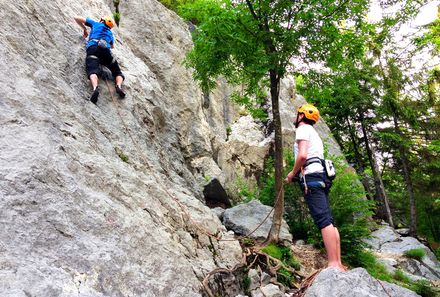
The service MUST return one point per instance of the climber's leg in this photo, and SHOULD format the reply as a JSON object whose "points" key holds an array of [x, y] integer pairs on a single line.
{"points": [[93, 68], [329, 235]]}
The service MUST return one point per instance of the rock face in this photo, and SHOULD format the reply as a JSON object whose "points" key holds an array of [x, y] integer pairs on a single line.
{"points": [[354, 283], [243, 155], [104, 200], [390, 246], [245, 218]]}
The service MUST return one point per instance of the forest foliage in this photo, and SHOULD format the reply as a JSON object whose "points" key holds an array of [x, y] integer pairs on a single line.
{"points": [[376, 87]]}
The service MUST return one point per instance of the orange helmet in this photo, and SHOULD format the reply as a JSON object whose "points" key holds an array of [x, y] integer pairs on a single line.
{"points": [[108, 21], [309, 111]]}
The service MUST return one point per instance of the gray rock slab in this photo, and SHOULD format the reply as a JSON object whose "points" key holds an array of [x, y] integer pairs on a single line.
{"points": [[389, 263], [382, 235], [245, 218], [218, 212], [354, 283], [401, 245], [403, 231], [420, 269]]}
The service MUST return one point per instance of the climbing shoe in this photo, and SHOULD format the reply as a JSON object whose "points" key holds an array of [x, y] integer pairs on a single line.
{"points": [[120, 91], [95, 94]]}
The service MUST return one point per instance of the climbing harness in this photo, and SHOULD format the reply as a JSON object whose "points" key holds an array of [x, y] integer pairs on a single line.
{"points": [[100, 42], [329, 167]]}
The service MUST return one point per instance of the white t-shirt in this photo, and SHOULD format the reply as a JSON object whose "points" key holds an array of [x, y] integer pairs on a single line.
{"points": [[315, 146]]}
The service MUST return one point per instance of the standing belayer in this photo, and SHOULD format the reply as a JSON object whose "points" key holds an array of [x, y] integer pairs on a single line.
{"points": [[310, 172], [98, 53]]}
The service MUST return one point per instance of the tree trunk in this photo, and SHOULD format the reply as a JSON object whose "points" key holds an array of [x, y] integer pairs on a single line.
{"points": [[279, 198], [360, 168], [381, 197], [408, 180]]}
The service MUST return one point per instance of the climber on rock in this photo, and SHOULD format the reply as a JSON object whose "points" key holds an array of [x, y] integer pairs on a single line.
{"points": [[314, 181], [98, 53]]}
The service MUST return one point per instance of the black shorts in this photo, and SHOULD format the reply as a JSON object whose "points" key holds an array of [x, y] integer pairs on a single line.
{"points": [[317, 200], [97, 56]]}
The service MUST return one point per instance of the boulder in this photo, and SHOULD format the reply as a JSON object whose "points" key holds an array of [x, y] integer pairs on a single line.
{"points": [[257, 280], [242, 155], [403, 231], [404, 244], [380, 236], [389, 263], [354, 283], [272, 290], [254, 278], [390, 246], [269, 290], [218, 212], [244, 218]]}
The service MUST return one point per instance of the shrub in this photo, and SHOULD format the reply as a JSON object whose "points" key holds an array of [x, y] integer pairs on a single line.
{"points": [[244, 191], [117, 17], [424, 289], [416, 253], [174, 4], [437, 253]]}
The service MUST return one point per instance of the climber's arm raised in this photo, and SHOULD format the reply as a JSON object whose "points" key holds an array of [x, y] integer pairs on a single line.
{"points": [[81, 22]]}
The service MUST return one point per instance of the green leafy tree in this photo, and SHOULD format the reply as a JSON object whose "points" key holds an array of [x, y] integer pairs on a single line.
{"points": [[368, 92], [348, 98], [251, 43]]}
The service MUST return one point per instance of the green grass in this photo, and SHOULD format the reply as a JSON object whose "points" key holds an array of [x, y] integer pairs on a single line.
{"points": [[369, 261], [416, 253], [400, 276], [282, 253], [376, 269]]}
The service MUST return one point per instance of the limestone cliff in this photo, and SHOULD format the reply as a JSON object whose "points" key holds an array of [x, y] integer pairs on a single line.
{"points": [[101, 200], [106, 200]]}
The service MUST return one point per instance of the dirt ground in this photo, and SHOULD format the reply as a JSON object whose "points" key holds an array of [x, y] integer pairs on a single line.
{"points": [[311, 258]]}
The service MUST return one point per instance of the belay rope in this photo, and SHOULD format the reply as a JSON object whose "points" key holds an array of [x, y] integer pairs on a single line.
{"points": [[150, 169], [202, 230], [205, 282]]}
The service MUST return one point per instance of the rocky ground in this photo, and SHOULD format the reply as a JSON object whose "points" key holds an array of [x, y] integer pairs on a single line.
{"points": [[389, 246]]}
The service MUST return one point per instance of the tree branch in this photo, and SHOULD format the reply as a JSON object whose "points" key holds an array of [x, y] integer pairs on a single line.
{"points": [[335, 10]]}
